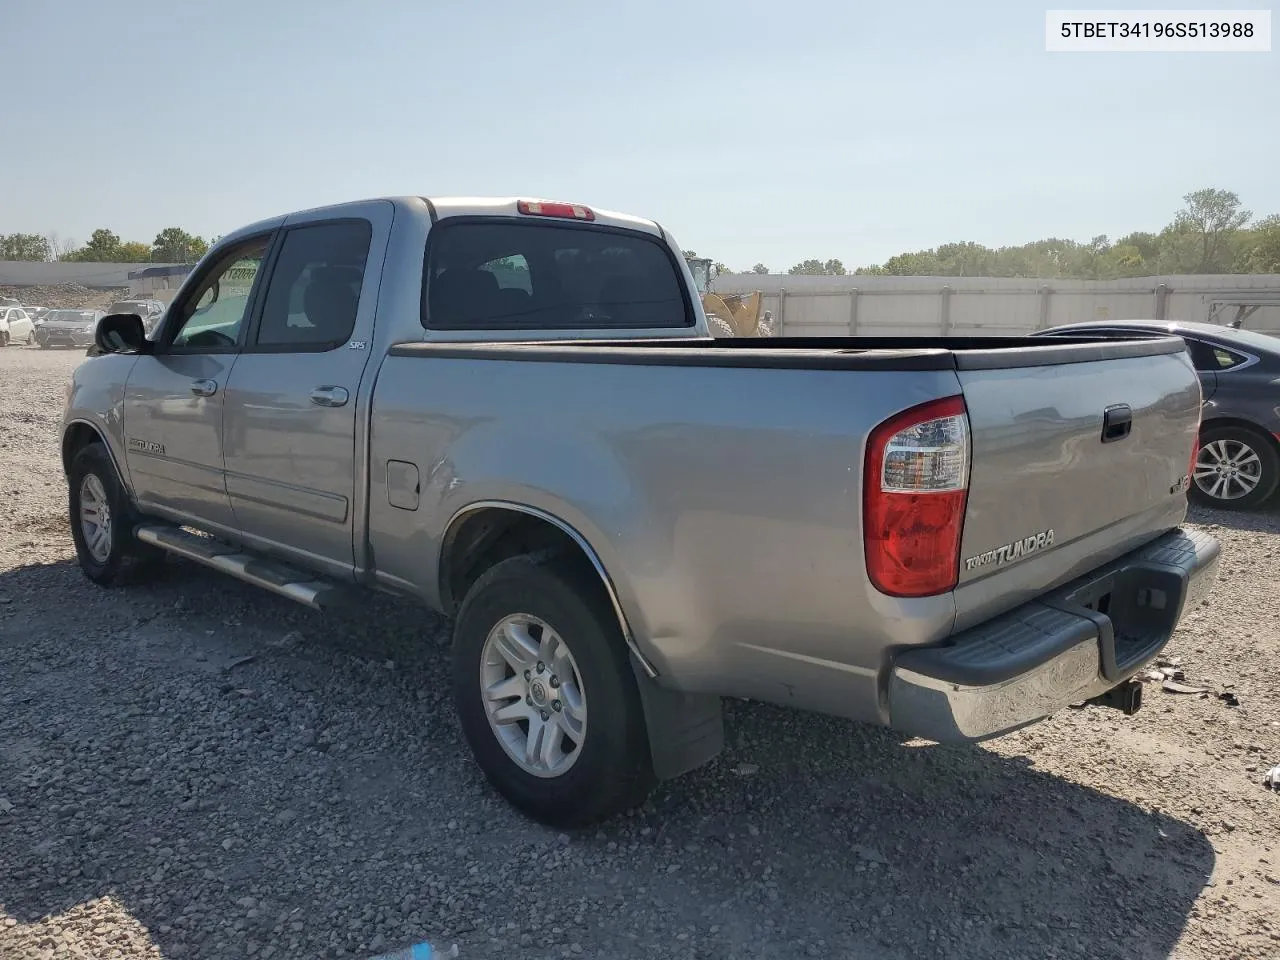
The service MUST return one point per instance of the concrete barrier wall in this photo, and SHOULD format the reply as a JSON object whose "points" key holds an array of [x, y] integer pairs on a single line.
{"points": [[989, 306]]}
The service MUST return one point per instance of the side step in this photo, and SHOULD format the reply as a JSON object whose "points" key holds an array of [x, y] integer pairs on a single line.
{"points": [[269, 574]]}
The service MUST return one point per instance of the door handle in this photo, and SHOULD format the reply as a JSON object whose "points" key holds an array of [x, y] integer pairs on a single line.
{"points": [[204, 388], [1117, 421], [330, 396]]}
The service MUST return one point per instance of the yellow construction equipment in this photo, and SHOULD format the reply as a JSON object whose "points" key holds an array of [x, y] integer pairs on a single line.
{"points": [[728, 314]]}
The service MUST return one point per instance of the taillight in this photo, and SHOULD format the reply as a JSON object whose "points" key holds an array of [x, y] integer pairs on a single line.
{"points": [[913, 499], [568, 211]]}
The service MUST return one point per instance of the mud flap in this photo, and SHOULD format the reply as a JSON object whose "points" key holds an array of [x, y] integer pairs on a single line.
{"points": [[686, 730]]}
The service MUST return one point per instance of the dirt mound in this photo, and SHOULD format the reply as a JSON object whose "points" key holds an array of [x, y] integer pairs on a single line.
{"points": [[64, 296]]}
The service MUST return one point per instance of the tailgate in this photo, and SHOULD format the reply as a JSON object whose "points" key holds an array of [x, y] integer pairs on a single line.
{"points": [[1049, 497]]}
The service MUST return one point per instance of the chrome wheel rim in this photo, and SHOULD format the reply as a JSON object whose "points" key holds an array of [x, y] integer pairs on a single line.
{"points": [[95, 518], [533, 695], [1228, 469]]}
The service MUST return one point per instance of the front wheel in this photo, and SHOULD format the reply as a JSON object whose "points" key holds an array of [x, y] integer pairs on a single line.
{"points": [[1236, 467], [545, 693], [102, 522]]}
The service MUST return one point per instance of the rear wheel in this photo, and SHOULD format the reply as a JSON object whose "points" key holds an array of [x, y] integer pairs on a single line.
{"points": [[1236, 467], [545, 693], [102, 522], [4, 338]]}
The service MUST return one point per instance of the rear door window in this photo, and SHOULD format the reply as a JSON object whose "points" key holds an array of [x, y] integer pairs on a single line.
{"points": [[504, 275], [314, 291]]}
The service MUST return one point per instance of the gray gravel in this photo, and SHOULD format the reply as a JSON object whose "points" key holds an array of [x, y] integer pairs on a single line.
{"points": [[162, 797]]}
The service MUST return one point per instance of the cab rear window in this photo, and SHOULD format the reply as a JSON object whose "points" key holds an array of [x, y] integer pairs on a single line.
{"points": [[515, 275]]}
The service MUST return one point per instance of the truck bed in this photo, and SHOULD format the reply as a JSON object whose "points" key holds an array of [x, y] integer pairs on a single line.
{"points": [[723, 481]]}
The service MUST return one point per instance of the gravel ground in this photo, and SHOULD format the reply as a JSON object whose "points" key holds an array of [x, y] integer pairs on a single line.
{"points": [[161, 797]]}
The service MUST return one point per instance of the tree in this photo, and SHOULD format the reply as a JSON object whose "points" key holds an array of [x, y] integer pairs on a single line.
{"points": [[722, 270], [59, 249], [760, 268], [103, 247], [175, 245], [817, 268], [689, 254], [1263, 254], [134, 252], [24, 246], [1209, 235], [1206, 227]]}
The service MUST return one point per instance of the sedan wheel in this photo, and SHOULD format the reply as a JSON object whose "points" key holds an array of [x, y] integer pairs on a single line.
{"points": [[1235, 468]]}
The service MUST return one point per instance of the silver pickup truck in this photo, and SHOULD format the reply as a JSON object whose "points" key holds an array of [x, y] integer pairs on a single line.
{"points": [[512, 412]]}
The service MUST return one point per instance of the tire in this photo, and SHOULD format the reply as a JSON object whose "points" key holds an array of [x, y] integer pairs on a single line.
{"points": [[120, 559], [719, 328], [4, 338], [1236, 468], [609, 770]]}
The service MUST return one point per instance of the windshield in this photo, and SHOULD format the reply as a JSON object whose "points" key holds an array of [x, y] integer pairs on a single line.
{"points": [[73, 316]]}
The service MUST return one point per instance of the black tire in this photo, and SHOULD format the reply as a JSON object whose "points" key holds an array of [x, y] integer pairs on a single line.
{"points": [[613, 771], [125, 560], [4, 338], [1232, 440]]}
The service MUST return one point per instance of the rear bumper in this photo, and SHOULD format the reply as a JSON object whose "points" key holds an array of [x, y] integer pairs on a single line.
{"points": [[1068, 645]]}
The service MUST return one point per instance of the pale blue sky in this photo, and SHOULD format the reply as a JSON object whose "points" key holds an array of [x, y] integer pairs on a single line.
{"points": [[755, 131]]}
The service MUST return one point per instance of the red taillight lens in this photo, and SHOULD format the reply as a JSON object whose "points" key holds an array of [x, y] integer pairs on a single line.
{"points": [[568, 211], [913, 499]]}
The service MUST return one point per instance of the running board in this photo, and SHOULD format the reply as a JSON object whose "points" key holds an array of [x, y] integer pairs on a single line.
{"points": [[269, 574]]}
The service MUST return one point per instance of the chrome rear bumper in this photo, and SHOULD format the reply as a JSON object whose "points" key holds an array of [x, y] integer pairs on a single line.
{"points": [[1071, 644]]}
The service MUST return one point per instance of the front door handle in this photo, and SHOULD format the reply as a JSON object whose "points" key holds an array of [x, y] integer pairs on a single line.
{"points": [[330, 396], [204, 388]]}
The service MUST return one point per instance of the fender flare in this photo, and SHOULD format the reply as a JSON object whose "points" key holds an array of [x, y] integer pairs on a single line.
{"points": [[102, 439], [588, 551]]}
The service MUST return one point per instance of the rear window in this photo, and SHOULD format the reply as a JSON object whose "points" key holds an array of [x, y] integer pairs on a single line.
{"points": [[503, 275]]}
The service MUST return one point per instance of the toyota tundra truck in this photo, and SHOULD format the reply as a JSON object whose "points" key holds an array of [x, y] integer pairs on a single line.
{"points": [[512, 412]]}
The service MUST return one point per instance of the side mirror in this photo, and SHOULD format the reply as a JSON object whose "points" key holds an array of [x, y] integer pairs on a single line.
{"points": [[120, 333]]}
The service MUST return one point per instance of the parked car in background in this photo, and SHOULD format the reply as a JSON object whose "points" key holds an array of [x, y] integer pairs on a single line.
{"points": [[1238, 464], [149, 310], [68, 328], [15, 326]]}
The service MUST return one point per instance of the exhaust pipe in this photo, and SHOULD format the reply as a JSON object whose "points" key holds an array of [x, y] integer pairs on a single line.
{"points": [[1127, 698]]}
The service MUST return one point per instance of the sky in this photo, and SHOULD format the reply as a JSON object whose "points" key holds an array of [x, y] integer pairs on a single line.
{"points": [[753, 131]]}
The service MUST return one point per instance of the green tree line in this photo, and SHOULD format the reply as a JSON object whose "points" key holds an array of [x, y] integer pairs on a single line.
{"points": [[171, 245], [1212, 233]]}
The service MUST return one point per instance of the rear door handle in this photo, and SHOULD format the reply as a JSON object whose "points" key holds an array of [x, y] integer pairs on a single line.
{"points": [[330, 396], [204, 388], [1117, 421]]}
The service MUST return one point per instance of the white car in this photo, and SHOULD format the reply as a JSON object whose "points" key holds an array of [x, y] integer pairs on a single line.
{"points": [[16, 327]]}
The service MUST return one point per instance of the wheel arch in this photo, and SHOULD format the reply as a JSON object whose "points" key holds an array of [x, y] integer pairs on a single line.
{"points": [[1240, 423], [78, 434], [488, 531]]}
